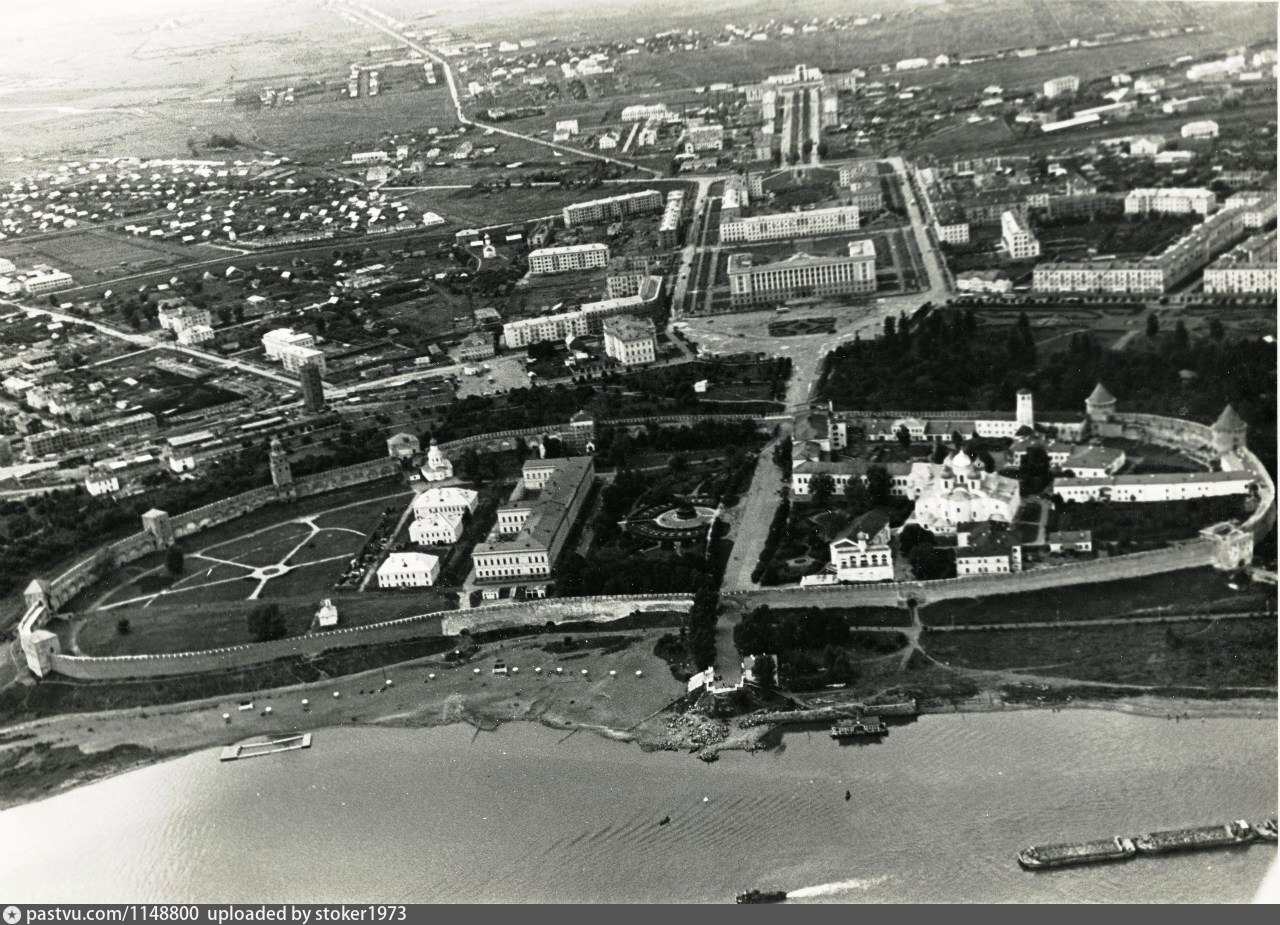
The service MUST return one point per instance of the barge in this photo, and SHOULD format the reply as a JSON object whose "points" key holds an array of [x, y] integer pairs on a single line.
{"points": [[1037, 857], [1225, 835], [862, 726], [251, 748]]}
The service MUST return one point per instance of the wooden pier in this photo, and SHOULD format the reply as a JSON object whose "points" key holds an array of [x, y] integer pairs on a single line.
{"points": [[251, 748]]}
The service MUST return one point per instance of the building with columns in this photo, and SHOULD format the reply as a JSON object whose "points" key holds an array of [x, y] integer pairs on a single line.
{"points": [[861, 551], [802, 275]]}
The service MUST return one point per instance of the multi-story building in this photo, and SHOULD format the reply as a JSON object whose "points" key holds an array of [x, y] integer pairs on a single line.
{"points": [[566, 259], [409, 570], [987, 548], [861, 551], [121, 429], [312, 387], [1017, 237], [587, 319], [802, 275], [47, 281], [436, 529], [476, 346], [449, 500], [703, 138], [195, 334], [274, 342], [867, 195], [629, 340], [532, 527], [786, 225], [1248, 269], [1155, 274], [1061, 86], [669, 227], [1170, 200], [613, 207]]}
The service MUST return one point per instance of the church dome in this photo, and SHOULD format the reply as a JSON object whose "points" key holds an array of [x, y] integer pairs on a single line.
{"points": [[959, 494], [960, 460]]}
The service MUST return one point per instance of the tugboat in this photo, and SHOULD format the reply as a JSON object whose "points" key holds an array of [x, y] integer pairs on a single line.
{"points": [[758, 896], [862, 726], [1266, 829]]}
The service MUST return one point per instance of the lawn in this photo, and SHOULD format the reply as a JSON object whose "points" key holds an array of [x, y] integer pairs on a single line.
{"points": [[1192, 590], [855, 616], [1229, 653]]}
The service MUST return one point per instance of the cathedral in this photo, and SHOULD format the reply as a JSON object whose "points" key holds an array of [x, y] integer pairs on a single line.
{"points": [[958, 491]]}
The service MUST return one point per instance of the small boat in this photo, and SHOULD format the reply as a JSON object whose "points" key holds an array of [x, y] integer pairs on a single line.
{"points": [[1266, 829], [848, 795], [664, 820], [862, 726], [759, 896]]}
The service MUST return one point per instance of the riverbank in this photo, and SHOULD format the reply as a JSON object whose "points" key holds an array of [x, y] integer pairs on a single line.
{"points": [[607, 684]]}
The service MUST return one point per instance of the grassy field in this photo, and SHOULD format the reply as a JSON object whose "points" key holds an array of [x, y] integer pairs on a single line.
{"points": [[1229, 653], [1190, 591], [92, 253]]}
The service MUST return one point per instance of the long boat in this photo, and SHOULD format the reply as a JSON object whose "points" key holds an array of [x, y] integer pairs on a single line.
{"points": [[1227, 834], [1118, 848]]}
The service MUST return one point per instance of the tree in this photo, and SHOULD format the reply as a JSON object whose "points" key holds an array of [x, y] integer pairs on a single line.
{"points": [[766, 672], [914, 535], [856, 498], [1216, 329], [1034, 472], [879, 485], [174, 560], [470, 464], [904, 436], [267, 623], [1181, 339], [677, 463], [939, 454], [1153, 325], [123, 627], [822, 487]]}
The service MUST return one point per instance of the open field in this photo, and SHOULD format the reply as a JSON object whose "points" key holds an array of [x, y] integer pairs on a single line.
{"points": [[92, 253], [1228, 653], [1201, 590]]}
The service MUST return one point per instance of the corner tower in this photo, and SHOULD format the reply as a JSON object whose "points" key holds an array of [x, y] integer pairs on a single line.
{"points": [[1100, 405], [281, 474], [1229, 432]]}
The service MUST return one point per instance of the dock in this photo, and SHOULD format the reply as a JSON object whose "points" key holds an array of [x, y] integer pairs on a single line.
{"points": [[829, 714], [252, 748]]}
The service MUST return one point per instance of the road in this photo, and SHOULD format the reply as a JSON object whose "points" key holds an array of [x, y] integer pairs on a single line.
{"points": [[463, 118]]}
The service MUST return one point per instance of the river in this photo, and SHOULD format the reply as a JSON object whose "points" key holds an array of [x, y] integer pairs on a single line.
{"points": [[937, 813]]}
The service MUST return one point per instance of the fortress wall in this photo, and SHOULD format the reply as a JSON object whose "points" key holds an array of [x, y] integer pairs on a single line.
{"points": [[1191, 554], [219, 512], [562, 610], [370, 471], [499, 616]]}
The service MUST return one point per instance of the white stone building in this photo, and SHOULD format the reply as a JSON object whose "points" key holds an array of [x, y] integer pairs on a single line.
{"points": [[445, 500], [630, 340], [1170, 200], [1017, 237], [439, 528], [409, 570], [861, 551], [1061, 86], [572, 257]]}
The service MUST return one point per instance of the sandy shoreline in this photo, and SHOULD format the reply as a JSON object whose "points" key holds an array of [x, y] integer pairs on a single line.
{"points": [[44, 757]]}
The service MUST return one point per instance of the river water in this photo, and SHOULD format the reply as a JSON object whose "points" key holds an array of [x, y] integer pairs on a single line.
{"points": [[937, 813]]}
